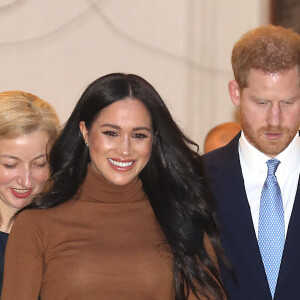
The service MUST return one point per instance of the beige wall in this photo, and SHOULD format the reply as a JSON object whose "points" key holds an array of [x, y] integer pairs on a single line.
{"points": [[55, 48]]}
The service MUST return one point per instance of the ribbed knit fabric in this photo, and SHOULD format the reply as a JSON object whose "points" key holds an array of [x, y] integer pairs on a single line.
{"points": [[104, 245]]}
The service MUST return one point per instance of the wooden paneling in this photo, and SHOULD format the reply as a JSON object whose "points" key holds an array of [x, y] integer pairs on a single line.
{"points": [[286, 13]]}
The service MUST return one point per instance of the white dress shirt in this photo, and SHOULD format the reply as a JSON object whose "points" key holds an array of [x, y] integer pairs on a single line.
{"points": [[254, 169]]}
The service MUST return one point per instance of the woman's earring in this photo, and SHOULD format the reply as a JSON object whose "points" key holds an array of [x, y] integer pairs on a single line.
{"points": [[86, 143]]}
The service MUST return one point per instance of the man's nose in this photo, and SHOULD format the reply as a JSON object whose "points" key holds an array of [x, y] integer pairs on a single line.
{"points": [[274, 115]]}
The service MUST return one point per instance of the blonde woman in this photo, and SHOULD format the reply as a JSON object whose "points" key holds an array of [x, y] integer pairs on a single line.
{"points": [[27, 124]]}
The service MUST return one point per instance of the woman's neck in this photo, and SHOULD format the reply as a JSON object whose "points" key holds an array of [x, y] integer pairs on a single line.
{"points": [[98, 189], [5, 218]]}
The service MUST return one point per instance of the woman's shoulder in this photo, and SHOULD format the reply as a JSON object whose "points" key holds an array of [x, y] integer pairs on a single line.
{"points": [[27, 220], [40, 215], [28, 215]]}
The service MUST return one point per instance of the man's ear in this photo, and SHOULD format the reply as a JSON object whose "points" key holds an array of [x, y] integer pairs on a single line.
{"points": [[84, 131], [234, 92]]}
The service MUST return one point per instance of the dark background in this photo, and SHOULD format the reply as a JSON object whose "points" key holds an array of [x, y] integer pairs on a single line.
{"points": [[286, 13]]}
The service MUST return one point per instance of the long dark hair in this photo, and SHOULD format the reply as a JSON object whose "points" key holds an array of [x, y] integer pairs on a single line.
{"points": [[173, 180]]}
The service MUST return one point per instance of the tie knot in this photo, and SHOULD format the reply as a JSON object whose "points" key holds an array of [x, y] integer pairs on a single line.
{"points": [[272, 166]]}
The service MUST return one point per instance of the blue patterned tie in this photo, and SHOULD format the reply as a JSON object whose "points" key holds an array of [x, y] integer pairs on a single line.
{"points": [[271, 234]]}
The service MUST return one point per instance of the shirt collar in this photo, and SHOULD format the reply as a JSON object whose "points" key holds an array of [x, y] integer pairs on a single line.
{"points": [[290, 156], [255, 161]]}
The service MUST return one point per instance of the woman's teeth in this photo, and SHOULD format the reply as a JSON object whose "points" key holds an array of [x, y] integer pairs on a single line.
{"points": [[21, 191], [120, 163]]}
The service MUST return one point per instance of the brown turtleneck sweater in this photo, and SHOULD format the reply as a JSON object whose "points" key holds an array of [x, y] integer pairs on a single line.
{"points": [[103, 244]]}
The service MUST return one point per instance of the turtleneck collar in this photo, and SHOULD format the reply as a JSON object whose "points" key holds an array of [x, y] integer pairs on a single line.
{"points": [[96, 188]]}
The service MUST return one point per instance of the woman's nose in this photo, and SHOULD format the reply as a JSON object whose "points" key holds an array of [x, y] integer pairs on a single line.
{"points": [[25, 178], [124, 146]]}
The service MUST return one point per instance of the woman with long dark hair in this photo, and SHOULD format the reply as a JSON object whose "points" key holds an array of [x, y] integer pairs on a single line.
{"points": [[126, 214]]}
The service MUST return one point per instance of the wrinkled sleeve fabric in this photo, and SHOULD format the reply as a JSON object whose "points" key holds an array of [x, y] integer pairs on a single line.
{"points": [[23, 264], [211, 252]]}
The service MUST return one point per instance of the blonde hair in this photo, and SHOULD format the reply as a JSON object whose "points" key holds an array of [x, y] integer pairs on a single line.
{"points": [[22, 113]]}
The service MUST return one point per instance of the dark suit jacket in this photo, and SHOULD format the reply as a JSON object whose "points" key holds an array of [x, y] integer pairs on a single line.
{"points": [[238, 237]]}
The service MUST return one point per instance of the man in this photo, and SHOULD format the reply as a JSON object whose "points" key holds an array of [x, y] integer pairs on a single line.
{"points": [[221, 135], [255, 178]]}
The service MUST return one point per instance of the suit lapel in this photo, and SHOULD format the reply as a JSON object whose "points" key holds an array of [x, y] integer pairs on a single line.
{"points": [[292, 244], [235, 215]]}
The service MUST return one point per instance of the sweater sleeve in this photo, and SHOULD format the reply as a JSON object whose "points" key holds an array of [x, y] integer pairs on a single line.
{"points": [[23, 265], [211, 252]]}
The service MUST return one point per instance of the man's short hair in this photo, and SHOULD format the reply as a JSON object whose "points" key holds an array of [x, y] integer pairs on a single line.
{"points": [[267, 48]]}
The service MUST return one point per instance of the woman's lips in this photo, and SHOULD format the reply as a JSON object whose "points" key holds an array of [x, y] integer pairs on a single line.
{"points": [[21, 193]]}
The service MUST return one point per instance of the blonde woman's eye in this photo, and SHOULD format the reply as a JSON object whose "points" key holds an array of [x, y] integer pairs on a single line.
{"points": [[42, 165]]}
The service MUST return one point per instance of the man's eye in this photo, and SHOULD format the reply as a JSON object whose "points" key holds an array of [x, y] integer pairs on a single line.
{"points": [[288, 102], [261, 102], [9, 166]]}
